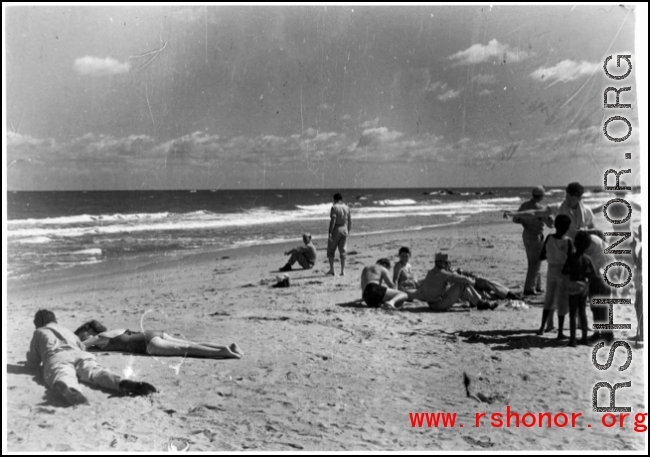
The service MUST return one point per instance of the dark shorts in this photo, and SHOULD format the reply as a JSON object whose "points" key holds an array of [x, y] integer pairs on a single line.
{"points": [[374, 294]]}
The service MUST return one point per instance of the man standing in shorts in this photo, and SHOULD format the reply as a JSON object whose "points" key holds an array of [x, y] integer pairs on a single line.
{"points": [[339, 230], [374, 294]]}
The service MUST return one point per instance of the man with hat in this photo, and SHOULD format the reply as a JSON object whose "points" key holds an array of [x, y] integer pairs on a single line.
{"points": [[533, 240], [436, 291], [304, 255]]}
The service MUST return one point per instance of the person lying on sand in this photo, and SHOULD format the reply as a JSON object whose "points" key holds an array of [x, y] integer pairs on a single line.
{"points": [[374, 294], [488, 288], [304, 255], [65, 362], [94, 335], [435, 289]]}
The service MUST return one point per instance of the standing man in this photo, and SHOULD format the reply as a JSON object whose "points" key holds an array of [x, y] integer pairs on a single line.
{"points": [[339, 230], [65, 362], [533, 240], [582, 218], [304, 255]]}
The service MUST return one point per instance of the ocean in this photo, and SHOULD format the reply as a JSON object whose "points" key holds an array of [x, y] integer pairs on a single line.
{"points": [[57, 230]]}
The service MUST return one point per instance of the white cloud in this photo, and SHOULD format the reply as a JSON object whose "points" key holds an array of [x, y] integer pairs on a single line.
{"points": [[484, 79], [96, 66], [370, 123], [485, 92], [478, 53], [373, 137], [566, 71], [451, 93]]}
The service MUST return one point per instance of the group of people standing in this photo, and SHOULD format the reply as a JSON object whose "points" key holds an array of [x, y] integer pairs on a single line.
{"points": [[576, 261]]}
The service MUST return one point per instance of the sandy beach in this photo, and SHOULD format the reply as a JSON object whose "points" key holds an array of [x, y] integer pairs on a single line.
{"points": [[320, 372]]}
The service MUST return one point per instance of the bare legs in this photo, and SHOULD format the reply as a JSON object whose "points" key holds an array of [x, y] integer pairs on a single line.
{"points": [[331, 272], [170, 346], [394, 298]]}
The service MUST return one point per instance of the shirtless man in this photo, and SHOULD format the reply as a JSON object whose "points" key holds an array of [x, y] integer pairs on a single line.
{"points": [[441, 289], [374, 294]]}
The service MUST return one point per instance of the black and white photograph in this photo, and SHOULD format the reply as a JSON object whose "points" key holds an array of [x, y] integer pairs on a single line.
{"points": [[299, 228]]}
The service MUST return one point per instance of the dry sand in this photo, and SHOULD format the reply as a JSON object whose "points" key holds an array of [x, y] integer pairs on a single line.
{"points": [[320, 373]]}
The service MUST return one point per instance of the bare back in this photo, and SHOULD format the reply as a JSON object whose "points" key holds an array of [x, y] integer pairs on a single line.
{"points": [[375, 274]]}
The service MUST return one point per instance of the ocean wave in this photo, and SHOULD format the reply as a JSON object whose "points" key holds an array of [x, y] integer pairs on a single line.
{"points": [[34, 240], [91, 251], [88, 219], [399, 202], [205, 220]]}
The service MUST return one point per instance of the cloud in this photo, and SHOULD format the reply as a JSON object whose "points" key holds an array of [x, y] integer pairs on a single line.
{"points": [[478, 53], [485, 92], [484, 79], [96, 66], [370, 123], [566, 71], [451, 93], [376, 136]]}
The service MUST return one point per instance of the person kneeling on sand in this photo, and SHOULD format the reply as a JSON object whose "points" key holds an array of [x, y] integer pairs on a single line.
{"points": [[435, 289], [304, 255], [374, 294], [65, 362], [94, 335]]}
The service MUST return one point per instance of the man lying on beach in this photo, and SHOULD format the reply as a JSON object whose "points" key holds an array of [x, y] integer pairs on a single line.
{"points": [[488, 288], [65, 362], [304, 255], [436, 291], [94, 334], [374, 294]]}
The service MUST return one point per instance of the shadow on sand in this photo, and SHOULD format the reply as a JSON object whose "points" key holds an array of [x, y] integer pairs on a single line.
{"points": [[506, 340]]}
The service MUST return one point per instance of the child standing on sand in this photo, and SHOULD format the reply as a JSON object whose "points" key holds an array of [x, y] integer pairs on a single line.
{"points": [[579, 269], [556, 250], [402, 274]]}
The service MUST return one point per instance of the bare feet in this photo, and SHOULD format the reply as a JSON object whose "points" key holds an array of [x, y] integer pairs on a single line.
{"points": [[343, 273], [234, 348], [388, 306], [549, 329], [330, 273]]}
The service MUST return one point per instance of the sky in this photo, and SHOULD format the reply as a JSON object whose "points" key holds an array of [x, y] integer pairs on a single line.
{"points": [[245, 97]]}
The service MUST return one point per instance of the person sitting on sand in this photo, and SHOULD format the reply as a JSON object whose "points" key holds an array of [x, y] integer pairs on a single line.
{"points": [[374, 294], [65, 362], [94, 335], [436, 290], [402, 274], [304, 255]]}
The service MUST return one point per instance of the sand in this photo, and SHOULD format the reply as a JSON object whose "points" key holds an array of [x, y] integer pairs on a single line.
{"points": [[320, 372]]}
